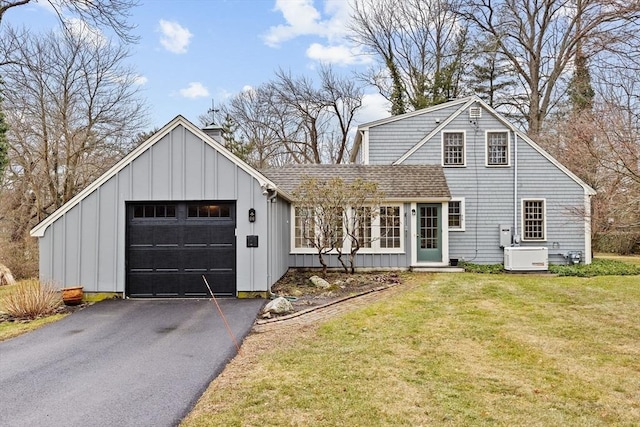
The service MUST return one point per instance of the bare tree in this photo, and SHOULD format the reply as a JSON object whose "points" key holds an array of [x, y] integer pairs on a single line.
{"points": [[334, 212], [420, 46], [292, 119], [111, 14], [73, 108], [541, 38]]}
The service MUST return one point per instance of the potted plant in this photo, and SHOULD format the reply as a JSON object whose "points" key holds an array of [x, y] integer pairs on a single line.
{"points": [[72, 295]]}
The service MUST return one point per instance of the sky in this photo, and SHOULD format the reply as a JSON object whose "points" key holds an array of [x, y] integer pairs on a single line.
{"points": [[193, 54]]}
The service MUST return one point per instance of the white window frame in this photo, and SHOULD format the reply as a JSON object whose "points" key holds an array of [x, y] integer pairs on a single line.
{"points": [[486, 148], [523, 219], [375, 234], [464, 148], [462, 213]]}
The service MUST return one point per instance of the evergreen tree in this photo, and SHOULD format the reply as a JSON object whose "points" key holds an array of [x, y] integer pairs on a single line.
{"points": [[239, 148], [581, 92]]}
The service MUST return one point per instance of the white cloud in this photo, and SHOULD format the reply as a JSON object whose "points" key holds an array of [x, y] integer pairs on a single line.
{"points": [[175, 38], [84, 31], [337, 54], [195, 90], [374, 107], [247, 88], [302, 18], [141, 80]]}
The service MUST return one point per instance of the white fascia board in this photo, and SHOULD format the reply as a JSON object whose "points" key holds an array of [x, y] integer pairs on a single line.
{"points": [[427, 110], [39, 230]]}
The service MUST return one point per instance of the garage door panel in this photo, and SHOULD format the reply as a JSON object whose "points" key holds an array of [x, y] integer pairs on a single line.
{"points": [[166, 257]]}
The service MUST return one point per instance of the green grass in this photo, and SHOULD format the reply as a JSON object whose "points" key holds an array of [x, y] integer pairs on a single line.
{"points": [[460, 349], [601, 266]]}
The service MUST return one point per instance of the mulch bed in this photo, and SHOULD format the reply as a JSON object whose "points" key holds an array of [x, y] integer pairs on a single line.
{"points": [[303, 294]]}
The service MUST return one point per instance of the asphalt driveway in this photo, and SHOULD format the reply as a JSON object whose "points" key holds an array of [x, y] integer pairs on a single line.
{"points": [[119, 363]]}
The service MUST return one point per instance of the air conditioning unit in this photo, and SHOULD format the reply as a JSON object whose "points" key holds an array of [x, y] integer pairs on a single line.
{"points": [[520, 258]]}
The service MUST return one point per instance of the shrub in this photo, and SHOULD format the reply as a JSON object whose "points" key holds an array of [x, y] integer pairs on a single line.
{"points": [[30, 299], [622, 243], [482, 268], [598, 267]]}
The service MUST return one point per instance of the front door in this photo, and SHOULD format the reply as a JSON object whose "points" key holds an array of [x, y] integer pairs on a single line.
{"points": [[429, 232]]}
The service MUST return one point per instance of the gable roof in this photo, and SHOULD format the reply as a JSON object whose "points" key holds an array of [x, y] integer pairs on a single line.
{"points": [[465, 103], [38, 230], [397, 182]]}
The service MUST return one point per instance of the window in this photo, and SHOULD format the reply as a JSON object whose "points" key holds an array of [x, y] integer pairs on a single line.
{"points": [[310, 229], [209, 211], [533, 220], [498, 148], [154, 211], [362, 226], [453, 149], [389, 226], [377, 229], [456, 215], [304, 228]]}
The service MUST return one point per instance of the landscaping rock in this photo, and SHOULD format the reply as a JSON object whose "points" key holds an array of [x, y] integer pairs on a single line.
{"points": [[319, 282], [6, 278], [279, 305]]}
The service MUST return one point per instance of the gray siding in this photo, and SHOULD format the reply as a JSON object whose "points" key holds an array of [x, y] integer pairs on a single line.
{"points": [[86, 246], [280, 236], [489, 191], [390, 141]]}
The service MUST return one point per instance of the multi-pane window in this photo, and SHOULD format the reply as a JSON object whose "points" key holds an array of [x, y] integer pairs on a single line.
{"points": [[209, 211], [497, 148], [389, 226], [453, 148], [154, 211], [456, 215], [533, 220], [305, 226], [362, 226]]}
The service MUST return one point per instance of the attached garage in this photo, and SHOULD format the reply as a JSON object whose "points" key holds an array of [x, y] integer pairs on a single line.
{"points": [[176, 208], [170, 246]]}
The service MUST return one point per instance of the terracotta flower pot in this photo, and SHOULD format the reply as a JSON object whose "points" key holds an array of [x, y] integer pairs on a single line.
{"points": [[72, 296]]}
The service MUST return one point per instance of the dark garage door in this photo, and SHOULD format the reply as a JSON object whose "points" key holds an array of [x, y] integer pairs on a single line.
{"points": [[170, 246]]}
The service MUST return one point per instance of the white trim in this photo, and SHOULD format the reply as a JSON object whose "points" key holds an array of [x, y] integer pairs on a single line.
{"points": [[445, 238], [588, 256], [544, 218], [464, 148], [486, 147], [39, 230], [434, 132], [462, 214], [365, 148], [375, 235], [391, 119]]}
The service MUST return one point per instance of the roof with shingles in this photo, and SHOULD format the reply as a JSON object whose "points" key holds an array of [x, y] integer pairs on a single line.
{"points": [[402, 182]]}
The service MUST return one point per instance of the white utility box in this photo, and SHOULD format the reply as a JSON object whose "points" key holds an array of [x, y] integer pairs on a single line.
{"points": [[517, 258]]}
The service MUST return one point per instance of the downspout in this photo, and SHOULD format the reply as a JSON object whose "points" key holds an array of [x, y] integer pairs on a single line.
{"points": [[516, 234]]}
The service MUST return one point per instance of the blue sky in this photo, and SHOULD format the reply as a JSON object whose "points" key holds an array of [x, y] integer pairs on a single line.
{"points": [[194, 51]]}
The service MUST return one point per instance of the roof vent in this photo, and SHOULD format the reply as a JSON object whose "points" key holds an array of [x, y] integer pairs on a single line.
{"points": [[475, 113]]}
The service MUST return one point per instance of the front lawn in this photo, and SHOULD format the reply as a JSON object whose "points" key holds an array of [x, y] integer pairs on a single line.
{"points": [[459, 349]]}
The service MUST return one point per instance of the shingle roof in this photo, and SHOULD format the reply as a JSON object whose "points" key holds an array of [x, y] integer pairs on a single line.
{"points": [[406, 182]]}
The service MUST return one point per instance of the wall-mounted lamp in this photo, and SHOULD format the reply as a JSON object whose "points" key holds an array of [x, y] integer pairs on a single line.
{"points": [[413, 212], [252, 215]]}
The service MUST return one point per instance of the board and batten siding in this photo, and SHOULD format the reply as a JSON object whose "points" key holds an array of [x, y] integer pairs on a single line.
{"points": [[86, 245], [488, 192]]}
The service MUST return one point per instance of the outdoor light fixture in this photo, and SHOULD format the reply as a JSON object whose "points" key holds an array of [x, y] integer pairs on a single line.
{"points": [[252, 215], [413, 212]]}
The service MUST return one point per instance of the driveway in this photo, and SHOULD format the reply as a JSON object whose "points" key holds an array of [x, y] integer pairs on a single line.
{"points": [[119, 363]]}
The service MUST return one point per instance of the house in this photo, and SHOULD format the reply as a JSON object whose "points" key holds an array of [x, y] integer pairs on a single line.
{"points": [[459, 182]]}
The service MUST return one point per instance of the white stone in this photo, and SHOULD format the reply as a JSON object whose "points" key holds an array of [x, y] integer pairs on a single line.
{"points": [[279, 305], [319, 282]]}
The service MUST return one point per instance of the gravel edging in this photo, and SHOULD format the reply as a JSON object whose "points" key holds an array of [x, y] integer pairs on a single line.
{"points": [[320, 307]]}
